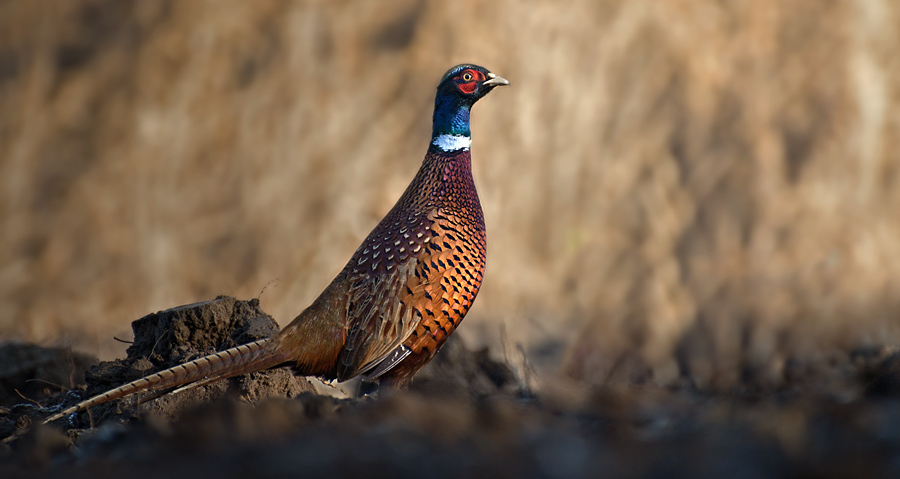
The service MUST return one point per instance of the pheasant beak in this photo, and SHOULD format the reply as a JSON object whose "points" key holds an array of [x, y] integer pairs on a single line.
{"points": [[495, 80]]}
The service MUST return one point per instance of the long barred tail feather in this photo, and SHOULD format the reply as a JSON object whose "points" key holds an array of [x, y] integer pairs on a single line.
{"points": [[242, 359]]}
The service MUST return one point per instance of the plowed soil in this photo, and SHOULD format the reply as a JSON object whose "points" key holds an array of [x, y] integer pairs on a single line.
{"points": [[467, 415]]}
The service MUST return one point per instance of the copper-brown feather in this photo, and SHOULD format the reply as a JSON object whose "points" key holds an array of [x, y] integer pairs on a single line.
{"points": [[398, 299]]}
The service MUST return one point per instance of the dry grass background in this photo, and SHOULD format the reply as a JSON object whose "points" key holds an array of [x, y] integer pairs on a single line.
{"points": [[700, 188]]}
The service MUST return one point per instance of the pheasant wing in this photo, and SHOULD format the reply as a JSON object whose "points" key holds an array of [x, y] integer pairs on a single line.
{"points": [[379, 317]]}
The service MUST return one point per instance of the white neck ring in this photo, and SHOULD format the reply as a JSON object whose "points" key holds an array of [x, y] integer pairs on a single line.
{"points": [[452, 142]]}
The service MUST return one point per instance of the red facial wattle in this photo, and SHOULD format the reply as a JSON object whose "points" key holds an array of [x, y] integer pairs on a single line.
{"points": [[468, 80]]}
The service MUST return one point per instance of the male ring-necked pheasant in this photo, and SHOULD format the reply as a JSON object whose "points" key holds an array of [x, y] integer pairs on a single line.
{"points": [[403, 292]]}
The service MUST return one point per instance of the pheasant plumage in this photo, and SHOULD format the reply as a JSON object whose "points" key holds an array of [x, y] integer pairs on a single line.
{"points": [[404, 291]]}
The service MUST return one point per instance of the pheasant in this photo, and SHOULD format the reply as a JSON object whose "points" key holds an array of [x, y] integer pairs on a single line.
{"points": [[404, 291]]}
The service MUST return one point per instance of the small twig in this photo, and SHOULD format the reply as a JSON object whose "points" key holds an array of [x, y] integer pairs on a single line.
{"points": [[263, 290], [12, 437], [156, 343], [32, 401], [71, 370], [38, 380], [123, 340], [195, 384], [90, 417]]}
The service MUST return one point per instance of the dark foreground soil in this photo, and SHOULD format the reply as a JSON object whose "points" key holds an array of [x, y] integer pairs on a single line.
{"points": [[466, 415]]}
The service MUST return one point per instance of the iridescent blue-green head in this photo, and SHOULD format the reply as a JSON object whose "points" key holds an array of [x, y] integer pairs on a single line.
{"points": [[458, 90]]}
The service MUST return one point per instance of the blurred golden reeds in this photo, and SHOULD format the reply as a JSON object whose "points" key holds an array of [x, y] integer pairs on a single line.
{"points": [[699, 188]]}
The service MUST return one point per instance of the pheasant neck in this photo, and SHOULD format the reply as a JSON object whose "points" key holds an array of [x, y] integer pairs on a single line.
{"points": [[451, 125], [449, 179]]}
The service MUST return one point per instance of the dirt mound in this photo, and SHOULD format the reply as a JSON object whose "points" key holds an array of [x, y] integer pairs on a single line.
{"points": [[163, 340]]}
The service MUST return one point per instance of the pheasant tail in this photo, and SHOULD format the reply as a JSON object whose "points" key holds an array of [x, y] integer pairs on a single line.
{"points": [[246, 358]]}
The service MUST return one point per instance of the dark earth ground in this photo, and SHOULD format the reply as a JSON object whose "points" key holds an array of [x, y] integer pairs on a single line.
{"points": [[467, 415]]}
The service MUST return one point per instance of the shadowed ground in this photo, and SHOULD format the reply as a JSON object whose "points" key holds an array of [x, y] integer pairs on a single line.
{"points": [[465, 415]]}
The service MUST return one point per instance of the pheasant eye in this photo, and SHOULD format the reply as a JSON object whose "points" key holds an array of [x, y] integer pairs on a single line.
{"points": [[467, 77]]}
